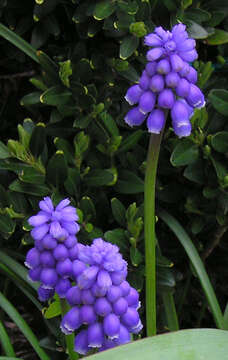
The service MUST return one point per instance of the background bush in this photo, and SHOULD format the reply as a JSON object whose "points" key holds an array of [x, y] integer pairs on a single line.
{"points": [[63, 135]]}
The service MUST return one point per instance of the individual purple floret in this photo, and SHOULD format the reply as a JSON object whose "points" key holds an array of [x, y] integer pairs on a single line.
{"points": [[168, 77], [51, 260], [107, 305]]}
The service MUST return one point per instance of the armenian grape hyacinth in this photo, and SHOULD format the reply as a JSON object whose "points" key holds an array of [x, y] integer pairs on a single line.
{"points": [[167, 83], [91, 278]]}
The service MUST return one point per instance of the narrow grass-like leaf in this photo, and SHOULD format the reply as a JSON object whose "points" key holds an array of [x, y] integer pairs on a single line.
{"points": [[5, 341], [170, 310], [18, 42], [197, 263], [23, 326]]}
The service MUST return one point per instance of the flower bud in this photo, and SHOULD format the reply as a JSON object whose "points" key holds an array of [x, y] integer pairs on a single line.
{"points": [[187, 45], [118, 276], [189, 56], [176, 62], [64, 268], [45, 294], [87, 297], [114, 293], [74, 295], [39, 232], [87, 314], [60, 252], [62, 286], [156, 121], [144, 81], [133, 94], [70, 241], [49, 242], [102, 307], [55, 230], [120, 306], [152, 40], [39, 219], [71, 321], [147, 102], [163, 67], [157, 83], [49, 278], [71, 227], [195, 97], [111, 326], [34, 274], [133, 297], [172, 79], [151, 68], [103, 279], [192, 76], [166, 99], [47, 259], [136, 329], [134, 117], [182, 129], [130, 318], [183, 88], [154, 54], [86, 279], [78, 267], [98, 291], [81, 343], [125, 288], [32, 258], [124, 336], [73, 252], [180, 119], [95, 335], [39, 245]]}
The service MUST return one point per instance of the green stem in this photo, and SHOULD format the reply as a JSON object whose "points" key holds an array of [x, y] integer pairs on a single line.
{"points": [[69, 338], [149, 231]]}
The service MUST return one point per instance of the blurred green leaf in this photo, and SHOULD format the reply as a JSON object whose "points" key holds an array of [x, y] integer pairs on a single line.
{"points": [[119, 211], [128, 46], [129, 183], [103, 9], [219, 99], [136, 256], [55, 95], [219, 141], [37, 140], [218, 38], [184, 153], [196, 31], [130, 141], [53, 310], [37, 190], [99, 177], [4, 152], [57, 170]]}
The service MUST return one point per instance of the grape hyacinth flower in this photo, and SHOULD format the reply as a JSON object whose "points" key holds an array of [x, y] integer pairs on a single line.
{"points": [[168, 78], [103, 302], [52, 259]]}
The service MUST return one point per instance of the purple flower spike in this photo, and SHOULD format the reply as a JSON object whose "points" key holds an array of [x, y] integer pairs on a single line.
{"points": [[182, 129], [47, 259], [120, 306], [87, 314], [32, 258], [60, 252], [133, 94], [192, 76], [71, 321], [183, 88], [195, 97], [147, 102], [125, 288], [134, 117], [34, 274], [156, 121], [64, 268], [49, 278], [163, 67], [49, 242], [81, 343], [111, 326], [95, 335], [39, 232], [114, 293], [157, 83], [166, 99], [87, 297], [102, 307], [86, 279], [130, 318], [104, 280], [154, 54]]}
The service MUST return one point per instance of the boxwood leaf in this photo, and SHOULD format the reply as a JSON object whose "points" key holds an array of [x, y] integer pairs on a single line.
{"points": [[219, 141], [219, 37], [56, 95], [4, 152], [128, 46], [99, 177], [184, 153], [118, 211], [57, 170], [129, 183], [104, 9], [37, 190], [219, 100], [37, 140]]}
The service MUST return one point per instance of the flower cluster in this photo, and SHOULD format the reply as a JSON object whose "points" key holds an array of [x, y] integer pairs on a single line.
{"points": [[51, 260], [102, 299], [91, 278], [168, 82]]}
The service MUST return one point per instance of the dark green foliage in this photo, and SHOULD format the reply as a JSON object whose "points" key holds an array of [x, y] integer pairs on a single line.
{"points": [[63, 135]]}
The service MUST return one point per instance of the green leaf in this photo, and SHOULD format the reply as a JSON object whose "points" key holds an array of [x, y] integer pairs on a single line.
{"points": [[65, 71], [4, 152], [194, 344], [185, 153], [219, 100], [117, 237], [109, 123], [197, 263], [53, 310], [218, 38], [31, 175], [104, 9], [219, 141], [18, 42], [136, 256], [130, 141], [99, 177], [195, 172], [7, 225], [37, 140], [5, 341], [37, 190], [88, 208], [57, 170], [50, 67], [31, 99], [56, 95], [23, 326], [129, 183], [196, 31], [119, 211], [128, 46], [197, 15]]}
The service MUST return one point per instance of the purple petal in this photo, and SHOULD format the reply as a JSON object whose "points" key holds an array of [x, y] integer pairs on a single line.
{"points": [[176, 62], [134, 117], [74, 295], [120, 306], [87, 297], [87, 314], [102, 307], [144, 81], [133, 94], [154, 54], [62, 204], [130, 318], [40, 231], [195, 97], [183, 88], [189, 55], [156, 121], [151, 68], [114, 293], [182, 128], [56, 230], [86, 279], [124, 336], [192, 75], [45, 294], [62, 286], [152, 40], [187, 45], [32, 258], [111, 326], [49, 278], [157, 83], [39, 219], [78, 267], [81, 343], [147, 102], [60, 252], [71, 321], [163, 67], [103, 279], [166, 99], [47, 259], [34, 274], [95, 335], [172, 79], [64, 268], [46, 205], [71, 227]]}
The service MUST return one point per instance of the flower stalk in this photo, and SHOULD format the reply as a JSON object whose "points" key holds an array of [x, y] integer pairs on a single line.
{"points": [[149, 231]]}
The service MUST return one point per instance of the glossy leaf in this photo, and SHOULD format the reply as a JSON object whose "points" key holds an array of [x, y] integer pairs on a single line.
{"points": [[5, 341], [185, 153], [103, 9], [57, 170], [99, 177], [219, 141], [37, 140], [129, 183], [219, 100], [218, 38], [128, 46], [118, 211]]}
